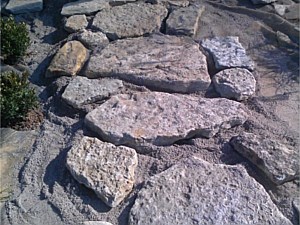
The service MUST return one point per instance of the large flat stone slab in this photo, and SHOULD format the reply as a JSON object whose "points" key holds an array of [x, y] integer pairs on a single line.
{"points": [[84, 7], [130, 20], [21, 6], [198, 192], [228, 52], [235, 83], [103, 167], [82, 91], [184, 21], [156, 118], [277, 161], [69, 60], [158, 62]]}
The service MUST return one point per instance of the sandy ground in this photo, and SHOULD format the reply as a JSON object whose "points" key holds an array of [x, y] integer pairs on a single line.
{"points": [[44, 192]]}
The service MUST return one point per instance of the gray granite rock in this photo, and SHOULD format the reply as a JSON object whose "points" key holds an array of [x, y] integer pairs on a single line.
{"points": [[262, 2], [96, 223], [293, 12], [159, 62], [227, 52], [144, 119], [235, 83], [171, 3], [103, 167], [21, 6], [198, 192], [277, 161], [68, 60], [296, 205], [184, 21], [120, 2], [82, 91], [130, 20], [84, 7], [280, 9], [93, 40], [76, 23]]}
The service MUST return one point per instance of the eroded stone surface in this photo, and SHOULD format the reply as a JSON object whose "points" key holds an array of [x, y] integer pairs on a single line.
{"points": [[76, 23], [156, 118], [184, 21], [93, 40], [130, 20], [236, 83], [198, 192], [227, 52], [103, 167], [82, 91], [68, 60], [84, 7], [276, 160], [21, 6], [159, 62]]}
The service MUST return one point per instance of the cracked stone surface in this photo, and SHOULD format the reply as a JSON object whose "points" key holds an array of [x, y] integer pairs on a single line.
{"points": [[228, 52], [158, 62], [198, 192], [156, 118], [277, 161], [184, 21], [103, 167], [130, 20]]}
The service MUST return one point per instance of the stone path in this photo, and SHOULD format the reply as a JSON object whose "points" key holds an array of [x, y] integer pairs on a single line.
{"points": [[139, 64]]}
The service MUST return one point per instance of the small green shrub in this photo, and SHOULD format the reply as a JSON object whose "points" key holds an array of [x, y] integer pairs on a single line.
{"points": [[14, 40], [16, 98]]}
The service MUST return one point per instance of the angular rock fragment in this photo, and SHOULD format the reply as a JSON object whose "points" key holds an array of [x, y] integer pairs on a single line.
{"points": [[198, 192], [263, 2], [76, 23], [292, 12], [171, 3], [84, 7], [184, 21], [156, 118], [160, 62], [81, 90], [103, 167], [68, 60], [276, 160], [227, 52], [21, 6], [130, 20], [280, 9], [93, 40], [236, 83]]}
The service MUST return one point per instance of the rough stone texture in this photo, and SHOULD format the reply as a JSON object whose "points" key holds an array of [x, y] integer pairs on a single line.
{"points": [[184, 21], [296, 205], [68, 60], [292, 12], [130, 20], [21, 6], [81, 90], [120, 2], [93, 40], [76, 23], [96, 223], [277, 161], [84, 7], [236, 83], [198, 192], [103, 167], [156, 118], [159, 62], [227, 52], [280, 9], [256, 2], [171, 3]]}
